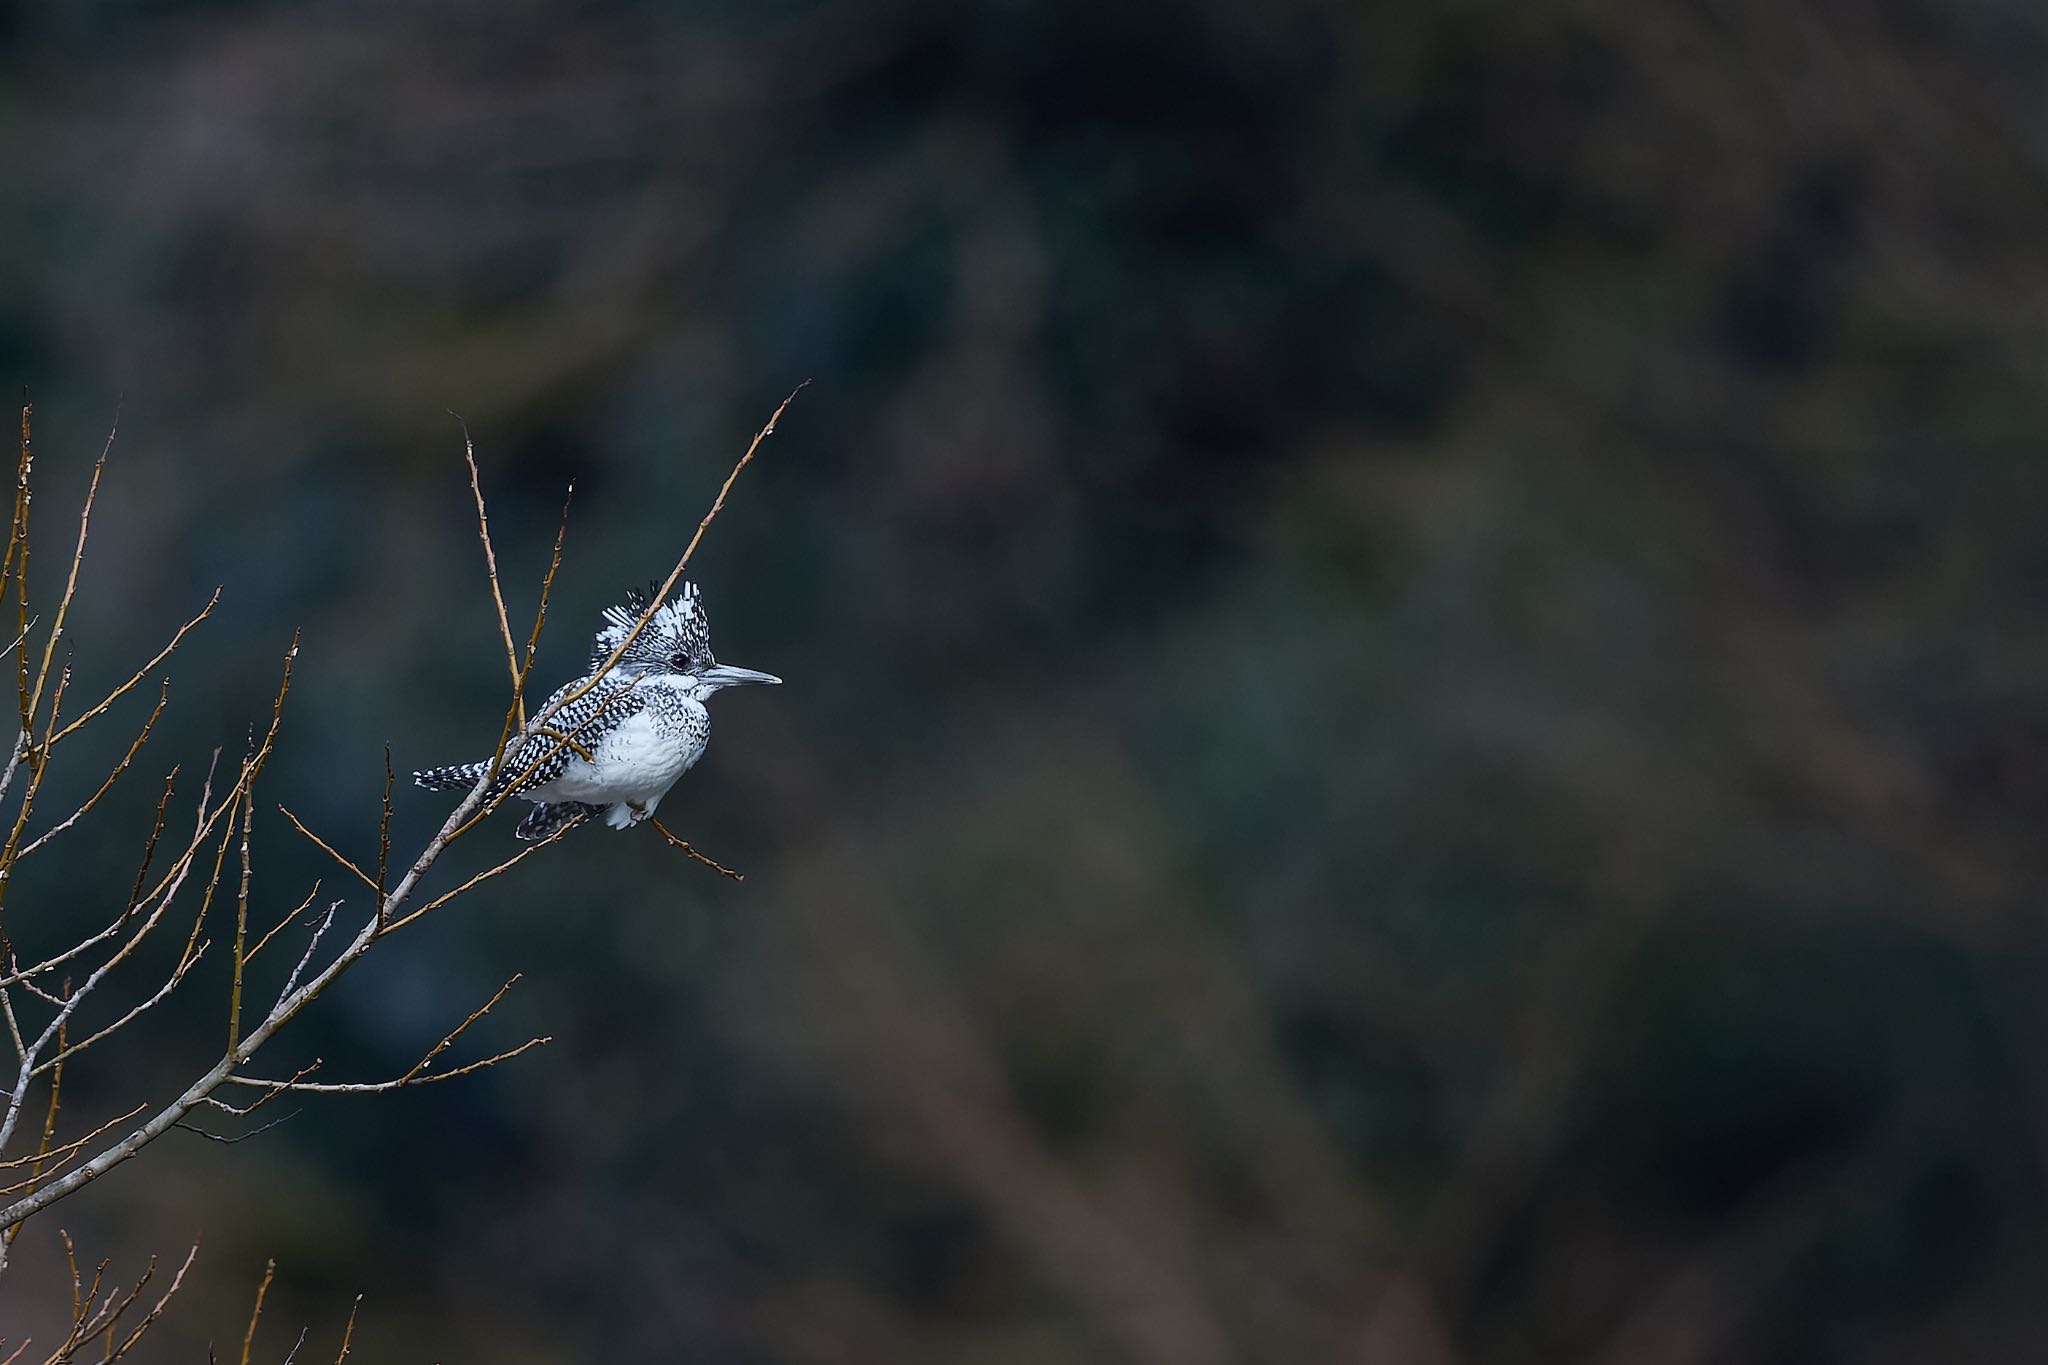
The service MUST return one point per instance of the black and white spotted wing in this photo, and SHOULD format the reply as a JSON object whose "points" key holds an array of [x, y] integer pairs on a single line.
{"points": [[580, 725]]}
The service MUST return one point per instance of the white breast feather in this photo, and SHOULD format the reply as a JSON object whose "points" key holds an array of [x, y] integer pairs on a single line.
{"points": [[635, 762]]}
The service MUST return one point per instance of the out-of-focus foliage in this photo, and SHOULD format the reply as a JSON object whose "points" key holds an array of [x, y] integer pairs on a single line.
{"points": [[1417, 722]]}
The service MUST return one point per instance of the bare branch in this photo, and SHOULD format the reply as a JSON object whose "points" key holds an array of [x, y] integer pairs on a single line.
{"points": [[506, 866], [64, 1152], [456, 1032], [163, 696], [220, 860], [169, 884], [79, 1298], [38, 759], [83, 946], [244, 1110], [47, 997], [347, 1333], [668, 584], [384, 830], [30, 1055], [515, 714], [125, 688], [383, 1087], [88, 1322], [17, 560], [71, 582], [21, 739], [49, 1113], [416, 1075], [171, 983], [547, 585], [229, 1140], [280, 926], [241, 960], [483, 531], [720, 868], [256, 1314], [13, 1031], [177, 1281], [15, 755], [329, 849], [206, 1083], [149, 847], [312, 946]]}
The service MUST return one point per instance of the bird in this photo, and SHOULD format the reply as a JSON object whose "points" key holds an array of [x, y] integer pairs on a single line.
{"points": [[625, 735]]}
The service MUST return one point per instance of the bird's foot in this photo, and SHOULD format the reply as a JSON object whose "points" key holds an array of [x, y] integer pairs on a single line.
{"points": [[626, 814]]}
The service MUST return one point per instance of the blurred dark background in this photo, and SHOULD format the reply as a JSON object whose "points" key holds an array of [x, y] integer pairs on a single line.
{"points": [[1417, 719]]}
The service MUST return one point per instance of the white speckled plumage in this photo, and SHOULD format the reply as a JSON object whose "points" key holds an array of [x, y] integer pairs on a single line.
{"points": [[643, 725]]}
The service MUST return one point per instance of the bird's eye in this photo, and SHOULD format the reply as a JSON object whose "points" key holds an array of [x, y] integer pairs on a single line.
{"points": [[679, 662]]}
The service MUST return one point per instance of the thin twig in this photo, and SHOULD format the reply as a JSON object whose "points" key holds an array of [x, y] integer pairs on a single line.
{"points": [[38, 768], [547, 584], [230, 1139], [78, 1296], [329, 849], [149, 847], [416, 1075], [125, 688], [17, 545], [384, 1087], [163, 696], [685, 846], [280, 926], [483, 531], [49, 1114], [176, 1281], [312, 946], [171, 983], [244, 1110], [168, 884], [13, 1028], [220, 859], [65, 1151], [71, 581], [347, 1333], [29, 1067], [256, 1314], [384, 829], [515, 713], [87, 1322], [456, 1032], [24, 974], [241, 959], [20, 750], [507, 865], [15, 755]]}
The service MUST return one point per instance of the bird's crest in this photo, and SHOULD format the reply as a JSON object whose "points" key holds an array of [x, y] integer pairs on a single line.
{"points": [[677, 637]]}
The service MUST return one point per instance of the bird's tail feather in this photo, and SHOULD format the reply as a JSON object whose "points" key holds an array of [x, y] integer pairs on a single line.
{"points": [[455, 775], [544, 820]]}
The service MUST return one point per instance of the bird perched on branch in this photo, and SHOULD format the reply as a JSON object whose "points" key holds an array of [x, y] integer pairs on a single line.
{"points": [[623, 737]]}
